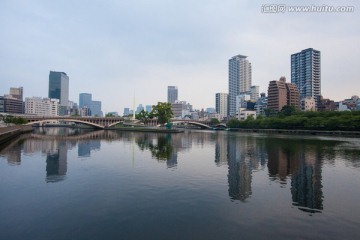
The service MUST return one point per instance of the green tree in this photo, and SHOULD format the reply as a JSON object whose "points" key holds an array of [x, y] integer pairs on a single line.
{"points": [[162, 111], [14, 120], [143, 116], [287, 110], [214, 121], [109, 115]]}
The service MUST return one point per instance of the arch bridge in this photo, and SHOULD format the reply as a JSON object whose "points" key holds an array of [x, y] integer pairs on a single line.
{"points": [[201, 124], [97, 122]]}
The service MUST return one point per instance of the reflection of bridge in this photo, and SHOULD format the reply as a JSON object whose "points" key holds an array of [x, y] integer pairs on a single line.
{"points": [[201, 124], [97, 122]]}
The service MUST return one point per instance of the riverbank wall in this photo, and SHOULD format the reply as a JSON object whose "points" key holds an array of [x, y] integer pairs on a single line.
{"points": [[145, 129], [7, 133], [299, 132]]}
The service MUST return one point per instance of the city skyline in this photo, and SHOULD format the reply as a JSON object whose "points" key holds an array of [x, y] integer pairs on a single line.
{"points": [[186, 45]]}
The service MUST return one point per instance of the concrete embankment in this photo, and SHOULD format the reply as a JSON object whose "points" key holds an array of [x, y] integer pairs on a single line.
{"points": [[145, 129], [301, 132], [7, 133]]}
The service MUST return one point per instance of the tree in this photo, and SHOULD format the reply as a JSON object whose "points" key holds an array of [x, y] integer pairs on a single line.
{"points": [[163, 112], [109, 115], [214, 121], [287, 110], [143, 116], [14, 120]]}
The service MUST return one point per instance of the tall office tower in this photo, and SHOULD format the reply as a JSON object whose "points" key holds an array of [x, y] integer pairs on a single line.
{"points": [[85, 100], [96, 109], [254, 93], [59, 87], [306, 73], [221, 103], [172, 94], [239, 80], [281, 93], [17, 93]]}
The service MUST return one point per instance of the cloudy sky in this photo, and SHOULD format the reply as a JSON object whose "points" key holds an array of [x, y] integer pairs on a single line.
{"points": [[117, 48]]}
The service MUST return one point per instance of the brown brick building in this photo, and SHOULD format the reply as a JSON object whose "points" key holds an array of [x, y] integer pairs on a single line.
{"points": [[281, 93]]}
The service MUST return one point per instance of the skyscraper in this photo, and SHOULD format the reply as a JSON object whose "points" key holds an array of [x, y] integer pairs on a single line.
{"points": [[172, 94], [221, 103], [239, 80], [306, 73], [96, 109], [85, 99], [59, 87]]}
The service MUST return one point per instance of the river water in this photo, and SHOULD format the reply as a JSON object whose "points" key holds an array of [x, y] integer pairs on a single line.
{"points": [[60, 183]]}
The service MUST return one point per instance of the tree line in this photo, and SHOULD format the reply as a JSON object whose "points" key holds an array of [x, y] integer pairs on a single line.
{"points": [[288, 118]]}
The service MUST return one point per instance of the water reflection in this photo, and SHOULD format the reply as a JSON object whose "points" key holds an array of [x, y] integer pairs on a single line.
{"points": [[298, 161]]}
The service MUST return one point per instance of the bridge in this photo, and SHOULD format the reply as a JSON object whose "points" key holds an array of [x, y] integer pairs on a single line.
{"points": [[106, 122], [97, 122]]}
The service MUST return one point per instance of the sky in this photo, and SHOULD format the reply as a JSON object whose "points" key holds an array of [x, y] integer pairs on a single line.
{"points": [[118, 49]]}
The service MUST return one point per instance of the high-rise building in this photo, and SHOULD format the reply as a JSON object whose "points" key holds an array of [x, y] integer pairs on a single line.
{"points": [[221, 104], [85, 99], [281, 93], [126, 112], [254, 93], [172, 94], [139, 108], [306, 73], [239, 80], [148, 108], [59, 87], [96, 109]]}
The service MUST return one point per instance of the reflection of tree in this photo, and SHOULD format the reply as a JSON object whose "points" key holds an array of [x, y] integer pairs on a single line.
{"points": [[160, 148]]}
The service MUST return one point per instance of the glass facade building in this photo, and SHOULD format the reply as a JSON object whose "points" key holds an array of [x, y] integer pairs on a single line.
{"points": [[59, 87], [172, 94]]}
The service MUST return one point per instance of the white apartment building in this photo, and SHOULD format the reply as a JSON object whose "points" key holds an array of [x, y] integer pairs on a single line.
{"points": [[42, 106], [239, 80], [221, 104], [254, 93], [243, 114], [308, 104]]}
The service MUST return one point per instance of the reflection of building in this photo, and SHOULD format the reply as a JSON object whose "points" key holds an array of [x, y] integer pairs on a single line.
{"points": [[14, 156], [220, 151], [292, 158], [56, 164], [85, 147], [239, 175], [306, 188], [283, 159]]}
